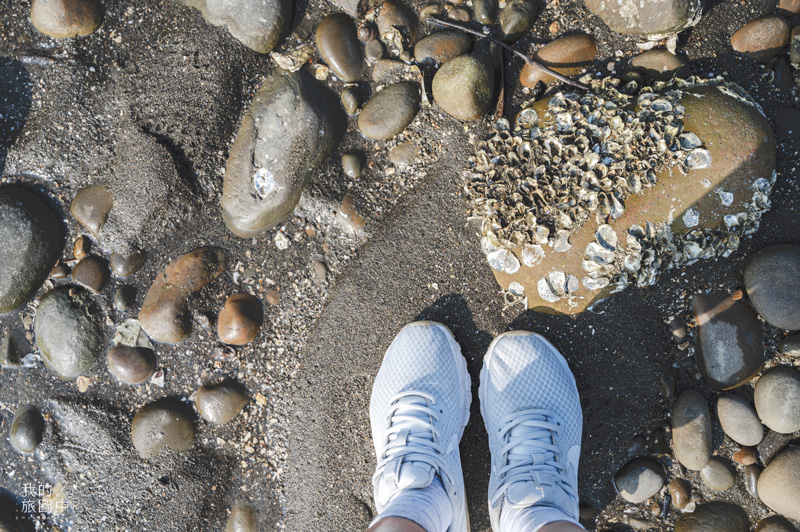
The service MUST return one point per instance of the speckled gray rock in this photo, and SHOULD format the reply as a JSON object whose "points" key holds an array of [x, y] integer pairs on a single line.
{"points": [[339, 47], [463, 87], [441, 47], [68, 332], [779, 484], [389, 111], [653, 18], [27, 429], [220, 403], [715, 516], [775, 523], [730, 341], [164, 424], [739, 420], [718, 474], [639, 479], [772, 280], [31, 240], [63, 19], [131, 364], [293, 124], [777, 399], [661, 65], [258, 24], [691, 430], [243, 518]]}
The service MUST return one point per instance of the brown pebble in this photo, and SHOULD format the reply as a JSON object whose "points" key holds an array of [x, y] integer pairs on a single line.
{"points": [[63, 19], [91, 206], [273, 297], [567, 55], [131, 365], [81, 247], [220, 403], [737, 294], [751, 475], [762, 38], [240, 319], [459, 14], [680, 490], [124, 265], [91, 273], [587, 514], [164, 424], [661, 65], [788, 8], [367, 32], [320, 271], [59, 271], [746, 456]]}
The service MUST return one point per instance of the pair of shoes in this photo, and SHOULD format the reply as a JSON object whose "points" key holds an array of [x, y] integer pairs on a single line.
{"points": [[529, 402]]}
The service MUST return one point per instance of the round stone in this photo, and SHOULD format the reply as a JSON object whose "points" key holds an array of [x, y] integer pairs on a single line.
{"points": [[762, 38], [567, 55], [775, 523], [716, 516], [680, 490], [661, 65], [240, 319], [339, 47], [373, 51], [164, 424], [396, 16], [654, 18], [91, 207], [68, 332], [746, 456], [320, 272], [404, 154], [242, 518], [779, 484], [639, 479], [486, 10], [458, 13], [91, 273], [27, 429], [350, 100], [124, 297], [441, 47], [718, 474], [777, 399], [739, 420], [63, 19], [352, 165], [463, 87], [517, 18], [691, 430], [772, 280], [126, 264], [388, 112], [131, 364], [220, 403]]}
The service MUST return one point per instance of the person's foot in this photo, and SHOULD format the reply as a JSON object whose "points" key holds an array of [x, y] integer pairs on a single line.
{"points": [[532, 412], [418, 410]]}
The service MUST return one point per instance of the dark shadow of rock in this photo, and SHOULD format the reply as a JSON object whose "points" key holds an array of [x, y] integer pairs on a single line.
{"points": [[15, 103]]}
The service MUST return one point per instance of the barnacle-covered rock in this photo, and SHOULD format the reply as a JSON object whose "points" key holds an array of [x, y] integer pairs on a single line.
{"points": [[587, 194]]}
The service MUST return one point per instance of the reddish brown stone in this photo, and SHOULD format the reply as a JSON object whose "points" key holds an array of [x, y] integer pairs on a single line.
{"points": [[762, 38], [240, 319], [567, 55]]}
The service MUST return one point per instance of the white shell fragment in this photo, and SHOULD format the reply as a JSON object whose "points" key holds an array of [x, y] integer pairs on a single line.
{"points": [[503, 260], [264, 182], [532, 254], [599, 254], [691, 218], [562, 241], [516, 289], [689, 141], [698, 159]]}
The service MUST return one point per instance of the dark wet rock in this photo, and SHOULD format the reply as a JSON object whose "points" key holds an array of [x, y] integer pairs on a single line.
{"points": [[27, 429], [639, 479], [772, 443], [739, 420], [486, 10], [91, 273], [517, 18], [772, 280], [567, 55], [790, 346], [164, 424], [661, 65], [31, 240], [124, 265], [746, 456], [293, 124], [60, 271], [240, 319], [403, 154], [350, 100], [653, 18], [783, 78], [81, 247], [124, 297], [68, 332], [389, 112], [394, 15], [165, 316], [794, 46], [367, 32], [680, 490], [691, 430], [243, 518], [715, 516], [441, 47], [10, 352], [352, 165], [763, 38], [12, 517], [373, 51], [459, 14], [718, 474], [777, 399], [729, 340], [339, 47], [320, 272], [463, 87], [751, 474], [779, 484], [258, 24], [220, 403], [63, 19], [91, 207], [775, 523], [131, 364]]}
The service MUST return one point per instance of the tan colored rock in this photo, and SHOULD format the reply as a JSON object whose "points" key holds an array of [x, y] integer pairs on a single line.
{"points": [[762, 38], [240, 319], [63, 19], [567, 55], [91, 206], [779, 484]]}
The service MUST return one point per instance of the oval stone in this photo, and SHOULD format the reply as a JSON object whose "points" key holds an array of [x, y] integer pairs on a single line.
{"points": [[654, 18], [486, 10], [772, 280], [779, 484], [567, 55], [517, 18], [388, 112], [27, 429], [777, 399], [395, 15], [691, 430], [243, 518], [131, 364], [739, 420], [718, 474], [715, 516], [63, 19], [240, 319], [339, 47], [125, 264], [680, 490], [661, 65], [639, 479], [441, 47], [463, 87], [763, 38], [91, 273], [775, 523], [219, 403], [91, 207], [164, 424]]}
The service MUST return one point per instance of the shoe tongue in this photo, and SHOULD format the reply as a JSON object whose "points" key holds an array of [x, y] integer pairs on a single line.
{"points": [[539, 491]]}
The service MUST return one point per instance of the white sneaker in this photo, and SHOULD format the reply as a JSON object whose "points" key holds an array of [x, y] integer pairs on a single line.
{"points": [[532, 411], [418, 411]]}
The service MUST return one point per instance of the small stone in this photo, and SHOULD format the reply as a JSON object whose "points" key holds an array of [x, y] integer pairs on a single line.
{"points": [[27, 429], [486, 11], [367, 32], [403, 154], [788, 8], [396, 16], [389, 111], [678, 331], [790, 346], [83, 383], [639, 479], [442, 46], [772, 443], [242, 518], [718, 474], [772, 280], [567, 55], [63, 19], [339, 47], [729, 341], [220, 403], [458, 14], [373, 51], [131, 364], [60, 271], [679, 490], [661, 65], [655, 19], [775, 523], [124, 297], [751, 474], [739, 420], [164, 424], [91, 273], [762, 38], [586, 514], [81, 247], [463, 87], [715, 516], [240, 319], [273, 297], [746, 456], [124, 265], [388, 71], [779, 484], [352, 165], [691, 430], [794, 46], [350, 100], [517, 18], [777, 399], [320, 272], [433, 9], [91, 207]]}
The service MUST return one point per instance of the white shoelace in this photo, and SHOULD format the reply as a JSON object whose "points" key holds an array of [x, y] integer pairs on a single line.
{"points": [[530, 452]]}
